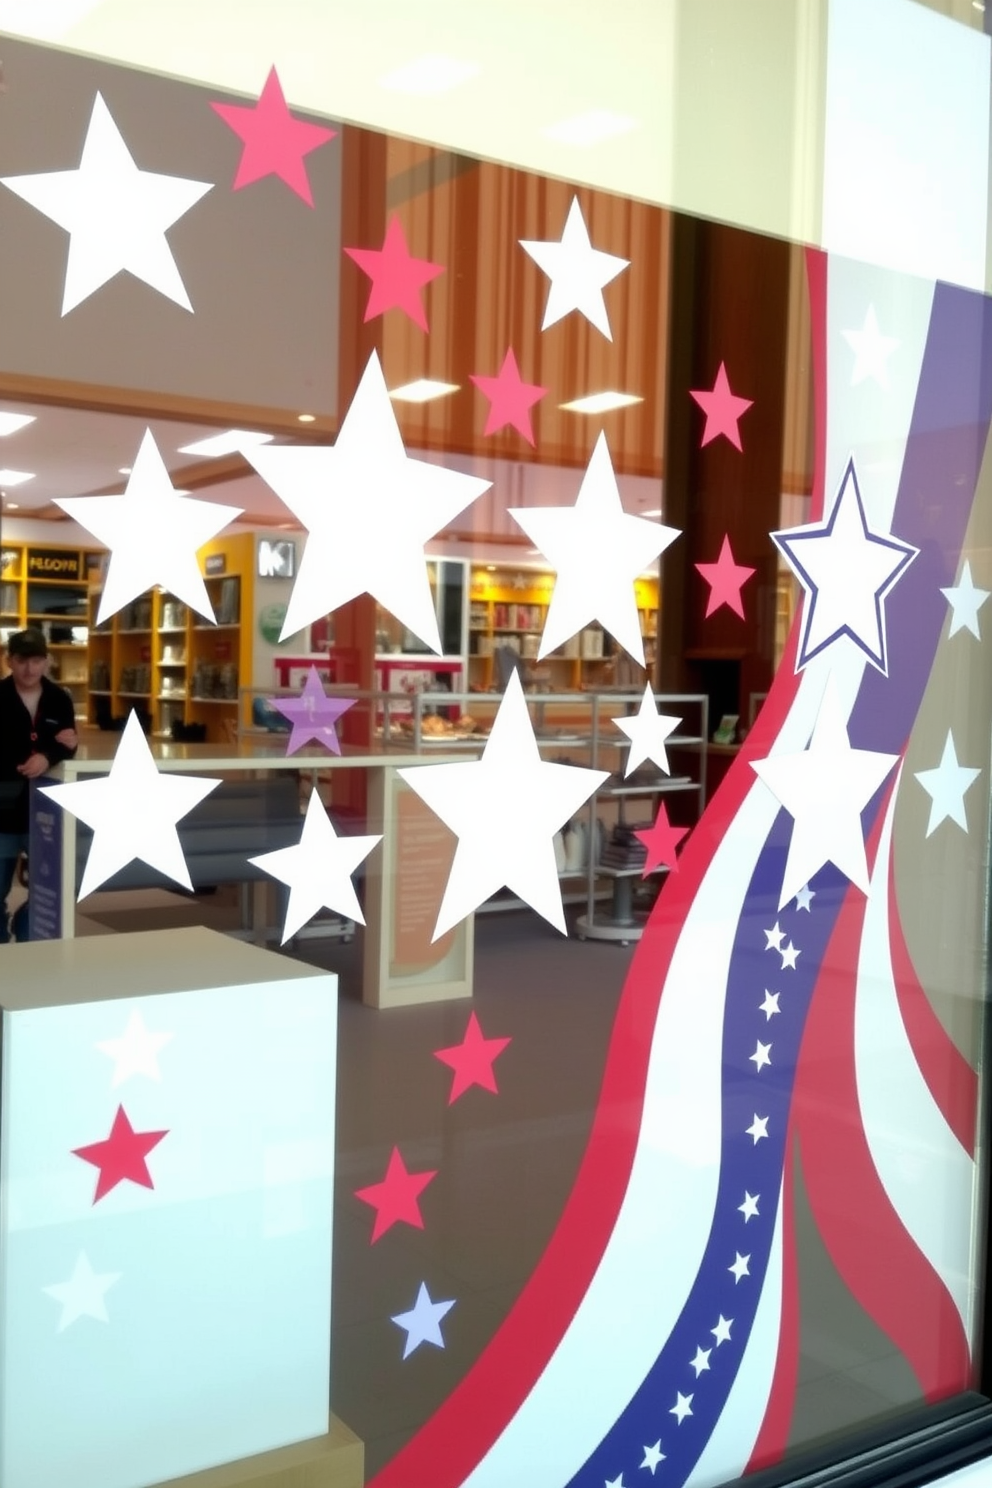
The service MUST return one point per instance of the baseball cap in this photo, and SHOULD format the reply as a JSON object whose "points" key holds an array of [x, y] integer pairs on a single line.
{"points": [[30, 642]]}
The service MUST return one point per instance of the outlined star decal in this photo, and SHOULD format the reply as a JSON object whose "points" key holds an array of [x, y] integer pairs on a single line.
{"points": [[740, 1268], [647, 730], [274, 142], [598, 550], [398, 279], [947, 785], [369, 509], [313, 715], [661, 841], [115, 214], [504, 809], [965, 601], [472, 1060], [725, 578], [135, 1052], [120, 1157], [749, 1208], [682, 1407], [825, 788], [510, 398], [396, 1198], [847, 571], [701, 1362], [723, 410], [762, 1055], [422, 1324], [317, 871], [722, 1330], [770, 1005], [871, 351], [133, 812], [653, 1456], [758, 1128], [83, 1294], [578, 272], [152, 533]]}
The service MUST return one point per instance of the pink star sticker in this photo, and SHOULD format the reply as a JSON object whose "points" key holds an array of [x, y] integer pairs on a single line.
{"points": [[397, 278], [723, 409], [661, 840], [313, 715], [725, 578], [274, 142], [510, 398], [397, 1197], [472, 1060]]}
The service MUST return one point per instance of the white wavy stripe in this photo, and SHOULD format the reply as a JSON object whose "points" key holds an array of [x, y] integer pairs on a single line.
{"points": [[729, 1449], [928, 1177], [650, 1263]]}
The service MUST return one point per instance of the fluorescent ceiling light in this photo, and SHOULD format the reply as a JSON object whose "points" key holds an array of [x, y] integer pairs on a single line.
{"points": [[15, 477], [430, 74], [655, 511], [229, 443], [12, 506], [602, 402], [11, 422], [423, 390], [591, 128]]}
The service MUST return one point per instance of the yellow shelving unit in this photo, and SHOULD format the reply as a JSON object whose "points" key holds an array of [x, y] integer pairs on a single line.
{"points": [[44, 585]]}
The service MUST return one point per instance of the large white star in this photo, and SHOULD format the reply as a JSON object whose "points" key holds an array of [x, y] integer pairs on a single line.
{"points": [[578, 273], [83, 1294], [318, 870], [598, 551], [133, 812], [946, 786], [825, 788], [135, 1052], [647, 730], [847, 571], [504, 809], [369, 510], [115, 214], [422, 1324], [965, 601], [152, 533], [871, 351]]}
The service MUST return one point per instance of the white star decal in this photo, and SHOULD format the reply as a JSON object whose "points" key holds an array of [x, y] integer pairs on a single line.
{"points": [[615, 1482], [762, 1055], [598, 550], [369, 509], [825, 788], [758, 1128], [946, 785], [504, 809], [653, 1456], [774, 938], [115, 214], [789, 954], [152, 533], [749, 1208], [770, 1005], [318, 870], [965, 601], [422, 1324], [740, 1267], [83, 1294], [871, 351], [847, 572], [647, 730], [135, 1052], [133, 812], [578, 272], [804, 898], [722, 1330], [701, 1361], [682, 1407]]}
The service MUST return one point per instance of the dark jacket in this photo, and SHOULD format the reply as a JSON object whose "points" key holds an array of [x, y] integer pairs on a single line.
{"points": [[55, 713]]}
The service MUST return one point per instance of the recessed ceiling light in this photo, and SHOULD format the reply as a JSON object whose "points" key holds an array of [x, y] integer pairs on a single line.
{"points": [[231, 442], [655, 511], [490, 568], [601, 402], [124, 470], [12, 505], [306, 418], [590, 128], [423, 390], [15, 477], [11, 422], [430, 74]]}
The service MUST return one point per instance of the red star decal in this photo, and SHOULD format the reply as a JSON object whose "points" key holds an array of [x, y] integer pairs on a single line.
{"points": [[396, 1197], [725, 578], [723, 409], [661, 840], [121, 1156], [274, 142], [397, 278], [510, 399], [472, 1060]]}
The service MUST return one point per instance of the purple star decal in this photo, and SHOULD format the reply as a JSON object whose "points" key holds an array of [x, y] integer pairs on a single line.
{"points": [[313, 715]]}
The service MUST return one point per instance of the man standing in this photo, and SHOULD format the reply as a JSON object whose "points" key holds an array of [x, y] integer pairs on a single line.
{"points": [[37, 731]]}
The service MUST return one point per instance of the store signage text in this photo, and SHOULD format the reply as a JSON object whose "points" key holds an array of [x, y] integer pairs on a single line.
{"points": [[52, 563]]}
